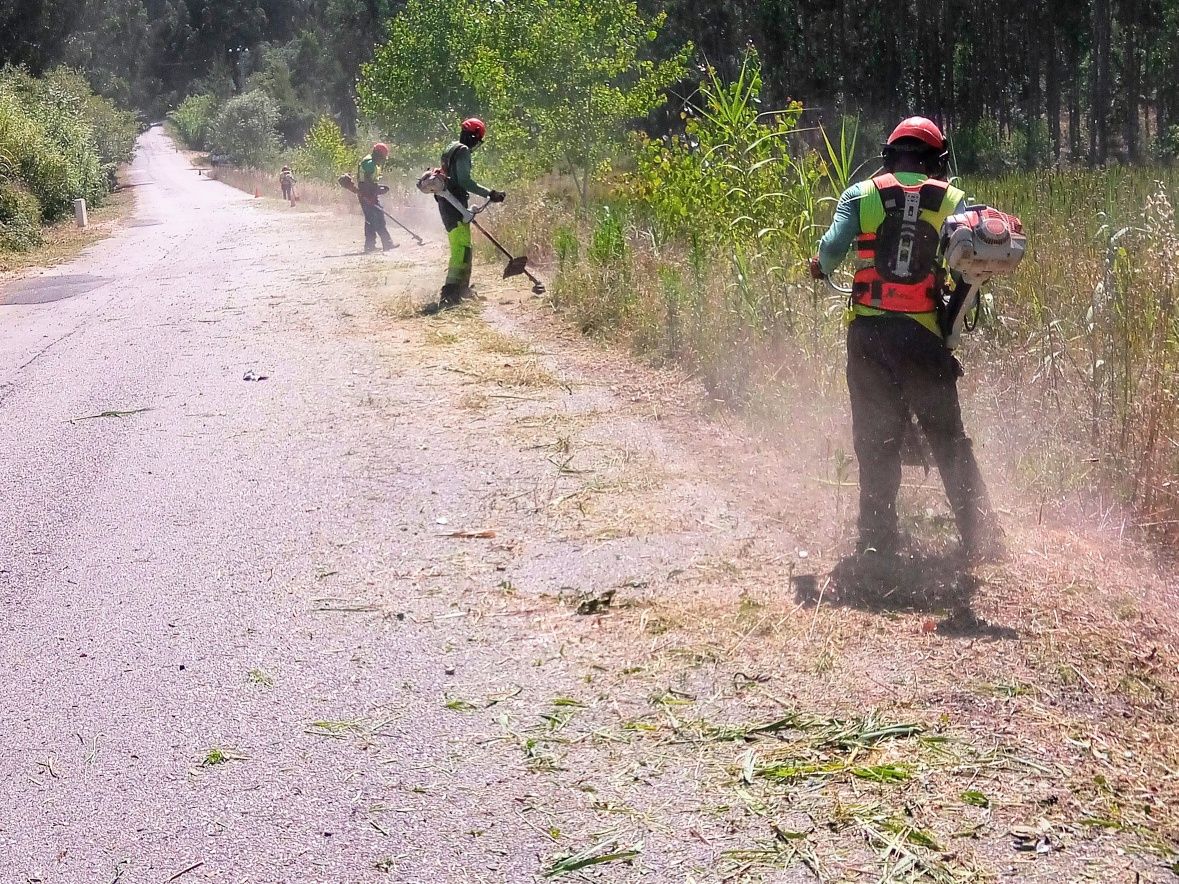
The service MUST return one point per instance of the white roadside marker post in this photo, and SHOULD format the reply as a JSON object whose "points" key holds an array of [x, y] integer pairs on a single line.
{"points": [[80, 214]]}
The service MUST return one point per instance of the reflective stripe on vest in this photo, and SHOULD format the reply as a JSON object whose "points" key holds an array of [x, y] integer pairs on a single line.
{"points": [[931, 201]]}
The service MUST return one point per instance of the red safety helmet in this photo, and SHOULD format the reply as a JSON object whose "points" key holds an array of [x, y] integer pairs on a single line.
{"points": [[381, 151], [921, 129], [475, 126]]}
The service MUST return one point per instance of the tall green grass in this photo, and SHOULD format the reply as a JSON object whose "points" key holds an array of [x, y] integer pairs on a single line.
{"points": [[699, 256]]}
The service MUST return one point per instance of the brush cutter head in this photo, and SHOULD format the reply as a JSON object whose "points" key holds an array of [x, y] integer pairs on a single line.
{"points": [[516, 266]]}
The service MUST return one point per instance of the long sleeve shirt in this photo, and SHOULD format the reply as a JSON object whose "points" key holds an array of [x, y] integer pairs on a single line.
{"points": [[458, 170]]}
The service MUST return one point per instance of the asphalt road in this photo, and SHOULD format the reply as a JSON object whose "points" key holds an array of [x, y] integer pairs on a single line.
{"points": [[169, 534]]}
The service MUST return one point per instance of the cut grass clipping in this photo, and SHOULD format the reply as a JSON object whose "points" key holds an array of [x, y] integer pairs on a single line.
{"points": [[598, 854]]}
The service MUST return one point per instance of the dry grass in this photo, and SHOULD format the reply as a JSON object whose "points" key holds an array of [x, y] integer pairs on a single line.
{"points": [[311, 194], [736, 727], [64, 240]]}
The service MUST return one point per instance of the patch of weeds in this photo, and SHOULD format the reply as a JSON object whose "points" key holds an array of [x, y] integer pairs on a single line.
{"points": [[458, 704], [400, 307], [219, 755], [1068, 675], [385, 865], [537, 757], [568, 701], [975, 798], [909, 853], [658, 624], [749, 606], [824, 662], [525, 373], [1126, 609], [352, 727], [883, 773], [494, 341], [1009, 689], [260, 677], [443, 335]]}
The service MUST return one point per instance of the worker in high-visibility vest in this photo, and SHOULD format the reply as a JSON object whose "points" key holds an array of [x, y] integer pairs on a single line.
{"points": [[897, 361]]}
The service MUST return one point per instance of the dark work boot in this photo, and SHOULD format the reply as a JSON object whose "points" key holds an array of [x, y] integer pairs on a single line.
{"points": [[450, 296], [983, 541]]}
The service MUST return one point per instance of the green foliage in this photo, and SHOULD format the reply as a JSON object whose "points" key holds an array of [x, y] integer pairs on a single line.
{"points": [[245, 129], [732, 179], [193, 120], [559, 80], [982, 148], [20, 218], [1166, 146], [277, 78], [564, 79], [325, 153], [414, 87], [60, 142]]}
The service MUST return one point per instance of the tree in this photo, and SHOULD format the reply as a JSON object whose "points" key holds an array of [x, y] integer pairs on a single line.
{"points": [[560, 80], [246, 128], [565, 79], [415, 87]]}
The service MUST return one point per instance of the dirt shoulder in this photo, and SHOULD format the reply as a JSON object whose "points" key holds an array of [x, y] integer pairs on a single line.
{"points": [[716, 705], [64, 240]]}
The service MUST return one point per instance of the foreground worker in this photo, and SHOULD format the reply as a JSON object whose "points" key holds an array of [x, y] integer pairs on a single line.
{"points": [[368, 191], [897, 361], [456, 165]]}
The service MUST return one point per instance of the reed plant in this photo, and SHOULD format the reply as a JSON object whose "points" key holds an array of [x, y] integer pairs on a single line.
{"points": [[699, 256]]}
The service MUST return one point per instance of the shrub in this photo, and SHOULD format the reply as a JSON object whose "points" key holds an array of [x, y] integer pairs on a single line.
{"points": [[246, 129], [193, 120], [325, 153], [20, 218], [47, 132]]}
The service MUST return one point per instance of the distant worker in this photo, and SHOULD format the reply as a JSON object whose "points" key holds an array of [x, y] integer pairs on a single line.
{"points": [[897, 361], [286, 180], [369, 190], [456, 164]]}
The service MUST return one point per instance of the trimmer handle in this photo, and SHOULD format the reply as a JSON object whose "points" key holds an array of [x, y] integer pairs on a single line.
{"points": [[836, 287], [468, 212]]}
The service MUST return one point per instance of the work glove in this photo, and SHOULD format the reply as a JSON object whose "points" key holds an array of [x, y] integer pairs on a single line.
{"points": [[816, 268], [382, 189], [497, 196]]}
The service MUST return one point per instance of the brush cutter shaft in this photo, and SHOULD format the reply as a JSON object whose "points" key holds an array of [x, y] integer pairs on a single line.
{"points": [[516, 265], [417, 238]]}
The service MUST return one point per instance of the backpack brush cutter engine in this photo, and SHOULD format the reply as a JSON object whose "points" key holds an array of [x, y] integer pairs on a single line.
{"points": [[346, 182], [433, 182], [976, 245]]}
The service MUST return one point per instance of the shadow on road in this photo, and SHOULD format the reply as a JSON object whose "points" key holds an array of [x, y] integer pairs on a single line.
{"points": [[912, 583]]}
